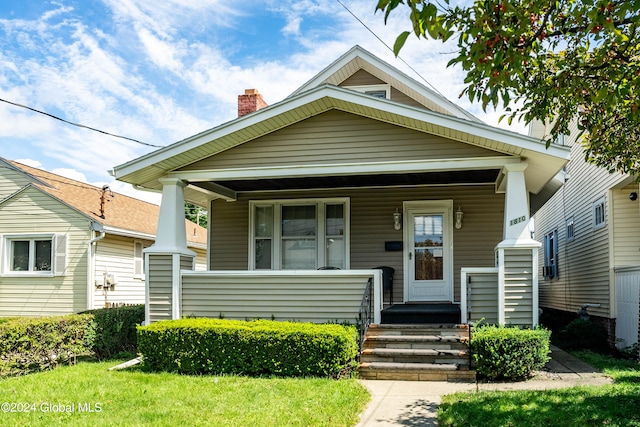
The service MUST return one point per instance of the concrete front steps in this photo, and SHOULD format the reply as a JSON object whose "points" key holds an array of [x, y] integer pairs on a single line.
{"points": [[415, 352]]}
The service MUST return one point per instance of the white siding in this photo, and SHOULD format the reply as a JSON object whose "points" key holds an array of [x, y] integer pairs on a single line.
{"points": [[32, 211], [114, 255]]}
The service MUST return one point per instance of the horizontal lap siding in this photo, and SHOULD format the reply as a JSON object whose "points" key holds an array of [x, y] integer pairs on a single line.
{"points": [[626, 227], [584, 263], [35, 212], [114, 254], [518, 292], [160, 280], [313, 299], [483, 292], [371, 225], [339, 137], [10, 181]]}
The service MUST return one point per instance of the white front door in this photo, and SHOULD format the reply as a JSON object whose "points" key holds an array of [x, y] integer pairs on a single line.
{"points": [[429, 251]]}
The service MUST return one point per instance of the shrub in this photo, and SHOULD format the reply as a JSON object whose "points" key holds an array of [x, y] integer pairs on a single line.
{"points": [[508, 352], [116, 330], [259, 347], [36, 344], [582, 335]]}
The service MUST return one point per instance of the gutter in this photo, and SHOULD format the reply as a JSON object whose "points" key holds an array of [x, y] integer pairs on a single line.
{"points": [[95, 226]]}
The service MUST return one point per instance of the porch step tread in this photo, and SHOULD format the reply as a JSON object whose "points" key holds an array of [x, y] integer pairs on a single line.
{"points": [[414, 352], [419, 326], [415, 338], [395, 366]]}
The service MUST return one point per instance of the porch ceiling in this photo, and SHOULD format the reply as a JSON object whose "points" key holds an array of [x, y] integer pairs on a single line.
{"points": [[357, 181]]}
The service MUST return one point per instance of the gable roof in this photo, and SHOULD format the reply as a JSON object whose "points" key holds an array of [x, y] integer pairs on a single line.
{"points": [[445, 120], [358, 58], [123, 215]]}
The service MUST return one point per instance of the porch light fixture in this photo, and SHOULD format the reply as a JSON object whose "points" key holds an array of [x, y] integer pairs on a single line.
{"points": [[397, 220], [459, 215]]}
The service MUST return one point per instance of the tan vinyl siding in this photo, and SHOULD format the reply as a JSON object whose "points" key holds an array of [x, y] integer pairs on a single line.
{"points": [[160, 279], [398, 96], [336, 137], [187, 263], [371, 225], [362, 78], [307, 298], [584, 267], [518, 287], [483, 297], [32, 211], [625, 227]]}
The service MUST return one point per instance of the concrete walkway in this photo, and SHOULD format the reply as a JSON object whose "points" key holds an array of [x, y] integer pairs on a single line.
{"points": [[414, 403]]}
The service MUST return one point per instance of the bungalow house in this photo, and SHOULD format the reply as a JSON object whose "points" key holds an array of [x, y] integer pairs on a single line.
{"points": [[67, 246], [590, 231], [362, 167]]}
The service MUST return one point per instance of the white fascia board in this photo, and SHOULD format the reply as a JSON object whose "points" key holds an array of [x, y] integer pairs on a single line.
{"points": [[404, 166], [392, 73]]}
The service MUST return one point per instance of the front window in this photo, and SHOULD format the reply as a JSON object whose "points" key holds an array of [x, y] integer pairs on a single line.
{"points": [[299, 234], [30, 255]]}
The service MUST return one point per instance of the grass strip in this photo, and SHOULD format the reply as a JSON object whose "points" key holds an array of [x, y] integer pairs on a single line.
{"points": [[88, 394], [611, 405]]}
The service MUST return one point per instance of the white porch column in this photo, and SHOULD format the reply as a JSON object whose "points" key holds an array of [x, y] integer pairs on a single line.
{"points": [[516, 206], [168, 256], [172, 231], [517, 255]]}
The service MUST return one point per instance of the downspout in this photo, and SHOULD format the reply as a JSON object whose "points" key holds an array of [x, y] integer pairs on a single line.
{"points": [[95, 226]]}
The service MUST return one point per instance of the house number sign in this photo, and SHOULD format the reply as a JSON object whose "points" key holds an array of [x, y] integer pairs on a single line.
{"points": [[517, 220]]}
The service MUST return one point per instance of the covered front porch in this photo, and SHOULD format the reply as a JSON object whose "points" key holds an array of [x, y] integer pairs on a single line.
{"points": [[428, 236]]}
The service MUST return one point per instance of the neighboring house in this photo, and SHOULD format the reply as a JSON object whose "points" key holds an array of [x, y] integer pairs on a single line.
{"points": [[62, 239], [590, 230], [361, 167]]}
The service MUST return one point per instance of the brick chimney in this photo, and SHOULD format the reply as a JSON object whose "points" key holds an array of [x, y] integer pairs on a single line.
{"points": [[249, 102]]}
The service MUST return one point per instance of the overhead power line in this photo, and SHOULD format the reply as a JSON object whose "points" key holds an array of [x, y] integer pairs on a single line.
{"points": [[390, 48], [79, 125]]}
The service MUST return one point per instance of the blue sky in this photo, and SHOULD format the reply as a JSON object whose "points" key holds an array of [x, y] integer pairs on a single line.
{"points": [[160, 71]]}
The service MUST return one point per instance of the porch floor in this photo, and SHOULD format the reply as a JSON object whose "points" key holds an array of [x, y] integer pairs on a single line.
{"points": [[423, 313]]}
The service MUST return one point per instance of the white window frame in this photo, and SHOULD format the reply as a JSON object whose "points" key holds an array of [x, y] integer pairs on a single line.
{"points": [[372, 88], [138, 261], [599, 205], [58, 254], [276, 252], [550, 248], [570, 229]]}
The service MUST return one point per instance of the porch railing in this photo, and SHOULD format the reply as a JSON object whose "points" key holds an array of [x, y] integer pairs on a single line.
{"points": [[479, 295], [366, 310], [300, 295]]}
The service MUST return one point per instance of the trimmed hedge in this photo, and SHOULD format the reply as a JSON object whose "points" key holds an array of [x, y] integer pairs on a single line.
{"points": [[37, 344], [116, 330], [259, 347], [508, 352]]}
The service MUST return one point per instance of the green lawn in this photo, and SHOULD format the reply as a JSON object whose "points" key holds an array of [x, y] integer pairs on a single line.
{"points": [[131, 397], [617, 404]]}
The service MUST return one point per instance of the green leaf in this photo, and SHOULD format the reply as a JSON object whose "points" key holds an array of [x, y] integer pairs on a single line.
{"points": [[400, 41]]}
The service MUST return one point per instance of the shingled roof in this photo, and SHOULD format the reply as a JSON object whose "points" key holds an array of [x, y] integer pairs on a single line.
{"points": [[120, 211]]}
